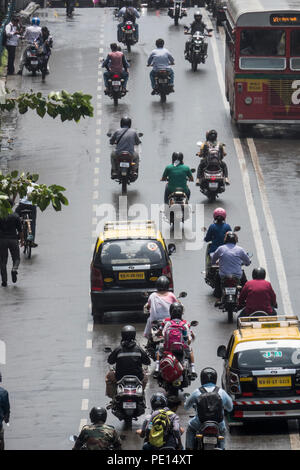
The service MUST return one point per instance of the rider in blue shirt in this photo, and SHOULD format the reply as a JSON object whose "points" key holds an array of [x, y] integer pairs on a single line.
{"points": [[216, 231]]}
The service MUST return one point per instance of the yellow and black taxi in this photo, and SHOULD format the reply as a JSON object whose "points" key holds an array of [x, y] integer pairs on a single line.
{"points": [[262, 369], [128, 258]]}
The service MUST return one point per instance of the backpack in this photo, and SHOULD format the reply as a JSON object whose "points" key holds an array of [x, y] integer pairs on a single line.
{"points": [[129, 15], [160, 427], [174, 341], [4, 37], [170, 368], [210, 406]]}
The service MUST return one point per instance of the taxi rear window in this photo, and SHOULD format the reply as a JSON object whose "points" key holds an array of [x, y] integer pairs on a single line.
{"points": [[277, 354], [126, 252]]}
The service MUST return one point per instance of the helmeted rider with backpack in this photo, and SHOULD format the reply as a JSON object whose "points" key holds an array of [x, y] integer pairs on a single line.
{"points": [[161, 429], [209, 402], [211, 149], [129, 13], [177, 338]]}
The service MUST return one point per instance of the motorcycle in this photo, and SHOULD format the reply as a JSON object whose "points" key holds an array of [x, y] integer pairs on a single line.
{"points": [[34, 61], [212, 270], [129, 402], [177, 11], [128, 35], [154, 340], [126, 169], [178, 206], [179, 371], [116, 89], [162, 84], [197, 52], [213, 181], [209, 437]]}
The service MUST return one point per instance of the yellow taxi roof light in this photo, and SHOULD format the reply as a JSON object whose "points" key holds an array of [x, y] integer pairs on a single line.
{"points": [[278, 321]]}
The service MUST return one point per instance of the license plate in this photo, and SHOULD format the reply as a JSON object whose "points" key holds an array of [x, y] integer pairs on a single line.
{"points": [[124, 164], [131, 276], [266, 382], [213, 185], [129, 405], [230, 290], [116, 83], [163, 80], [34, 62], [210, 440]]}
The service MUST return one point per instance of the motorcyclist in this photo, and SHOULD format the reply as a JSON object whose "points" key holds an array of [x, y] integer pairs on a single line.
{"points": [[129, 13], [159, 303], [160, 59], [208, 379], [98, 435], [125, 139], [257, 295], [129, 359], [231, 257], [115, 62], [45, 43], [197, 25], [217, 230], [177, 175], [211, 142], [4, 412], [159, 403], [176, 312], [31, 34]]}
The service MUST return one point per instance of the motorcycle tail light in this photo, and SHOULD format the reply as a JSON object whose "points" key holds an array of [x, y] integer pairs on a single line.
{"points": [[230, 282], [128, 26], [211, 430], [116, 76]]}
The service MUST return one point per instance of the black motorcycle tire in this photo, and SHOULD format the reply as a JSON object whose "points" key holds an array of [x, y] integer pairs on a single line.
{"points": [[116, 100], [128, 422], [124, 186], [128, 47], [176, 18], [194, 65], [212, 196], [163, 97], [230, 314]]}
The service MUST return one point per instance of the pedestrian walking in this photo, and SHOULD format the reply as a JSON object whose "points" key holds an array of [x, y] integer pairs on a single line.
{"points": [[13, 33]]}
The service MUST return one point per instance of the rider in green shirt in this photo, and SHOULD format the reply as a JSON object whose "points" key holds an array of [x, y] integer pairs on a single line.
{"points": [[177, 174]]}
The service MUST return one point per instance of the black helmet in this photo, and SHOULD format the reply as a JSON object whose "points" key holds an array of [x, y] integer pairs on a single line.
{"points": [[230, 237], [211, 135], [198, 16], [160, 43], [177, 156], [98, 414], [258, 273], [128, 333], [158, 400], [176, 310], [208, 375], [162, 283], [125, 121]]}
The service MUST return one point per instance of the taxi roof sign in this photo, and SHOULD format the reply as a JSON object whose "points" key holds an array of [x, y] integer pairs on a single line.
{"points": [[272, 321], [130, 229]]}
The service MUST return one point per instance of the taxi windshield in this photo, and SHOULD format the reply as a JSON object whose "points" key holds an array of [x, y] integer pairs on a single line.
{"points": [[124, 252], [267, 354]]}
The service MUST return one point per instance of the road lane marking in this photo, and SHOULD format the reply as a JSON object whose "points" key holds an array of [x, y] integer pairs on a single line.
{"points": [[89, 344], [84, 404], [86, 384], [87, 362], [287, 304]]}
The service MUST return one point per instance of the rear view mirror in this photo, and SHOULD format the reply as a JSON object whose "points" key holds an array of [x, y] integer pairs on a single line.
{"points": [[237, 228], [107, 349], [221, 352], [109, 134], [210, 30], [193, 170], [199, 143], [194, 323], [171, 248], [182, 295], [140, 134]]}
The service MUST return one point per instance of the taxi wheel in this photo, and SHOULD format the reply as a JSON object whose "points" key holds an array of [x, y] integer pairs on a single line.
{"points": [[97, 314]]}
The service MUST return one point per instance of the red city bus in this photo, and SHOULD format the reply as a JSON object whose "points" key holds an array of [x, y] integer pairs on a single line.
{"points": [[262, 61]]}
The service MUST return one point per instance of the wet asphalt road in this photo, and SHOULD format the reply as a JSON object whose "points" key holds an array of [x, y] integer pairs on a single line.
{"points": [[55, 365]]}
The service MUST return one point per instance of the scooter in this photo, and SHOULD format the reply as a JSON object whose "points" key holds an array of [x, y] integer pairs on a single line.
{"points": [[213, 181]]}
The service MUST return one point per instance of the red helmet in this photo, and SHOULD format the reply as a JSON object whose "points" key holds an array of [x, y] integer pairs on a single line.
{"points": [[219, 212]]}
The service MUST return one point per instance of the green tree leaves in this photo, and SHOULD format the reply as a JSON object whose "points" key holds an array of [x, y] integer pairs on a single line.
{"points": [[68, 106], [13, 185]]}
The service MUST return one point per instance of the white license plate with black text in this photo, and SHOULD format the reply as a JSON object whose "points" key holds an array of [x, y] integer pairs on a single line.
{"points": [[213, 185], [129, 405], [116, 83], [230, 290], [210, 440], [124, 164]]}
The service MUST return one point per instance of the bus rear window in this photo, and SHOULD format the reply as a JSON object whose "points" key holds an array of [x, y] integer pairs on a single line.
{"points": [[262, 42]]}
